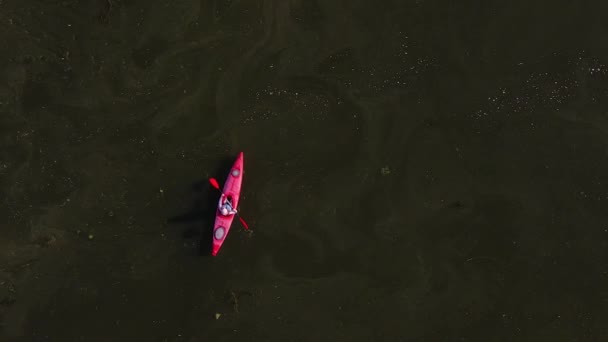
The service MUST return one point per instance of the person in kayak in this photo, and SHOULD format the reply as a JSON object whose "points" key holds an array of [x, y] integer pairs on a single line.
{"points": [[225, 206]]}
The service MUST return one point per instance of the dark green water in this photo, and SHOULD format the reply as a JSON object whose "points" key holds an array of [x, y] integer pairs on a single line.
{"points": [[414, 170]]}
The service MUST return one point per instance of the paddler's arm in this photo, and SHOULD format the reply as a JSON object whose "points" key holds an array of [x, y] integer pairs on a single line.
{"points": [[232, 209]]}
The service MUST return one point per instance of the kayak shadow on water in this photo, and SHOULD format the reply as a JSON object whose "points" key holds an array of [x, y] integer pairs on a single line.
{"points": [[200, 218]]}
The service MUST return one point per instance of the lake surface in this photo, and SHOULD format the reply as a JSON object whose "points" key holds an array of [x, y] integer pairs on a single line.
{"points": [[414, 170]]}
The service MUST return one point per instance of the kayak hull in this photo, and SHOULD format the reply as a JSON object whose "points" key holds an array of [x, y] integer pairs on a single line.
{"points": [[232, 188]]}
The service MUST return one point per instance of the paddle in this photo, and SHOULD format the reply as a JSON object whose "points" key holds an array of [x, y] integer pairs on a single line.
{"points": [[216, 185]]}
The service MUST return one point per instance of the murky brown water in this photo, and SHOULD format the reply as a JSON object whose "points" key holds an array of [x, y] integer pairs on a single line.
{"points": [[414, 171]]}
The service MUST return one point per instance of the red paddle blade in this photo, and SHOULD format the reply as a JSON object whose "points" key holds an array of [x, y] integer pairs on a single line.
{"points": [[214, 183], [244, 223]]}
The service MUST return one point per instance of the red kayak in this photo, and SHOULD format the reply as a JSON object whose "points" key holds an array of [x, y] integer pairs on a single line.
{"points": [[231, 193]]}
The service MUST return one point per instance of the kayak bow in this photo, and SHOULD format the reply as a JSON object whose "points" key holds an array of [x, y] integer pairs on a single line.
{"points": [[232, 189]]}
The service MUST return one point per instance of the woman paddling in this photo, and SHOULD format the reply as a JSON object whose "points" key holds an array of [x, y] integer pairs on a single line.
{"points": [[225, 206]]}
